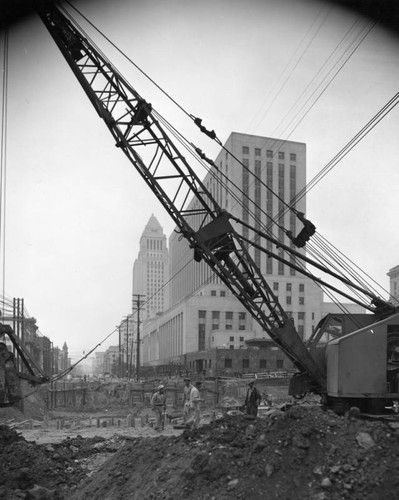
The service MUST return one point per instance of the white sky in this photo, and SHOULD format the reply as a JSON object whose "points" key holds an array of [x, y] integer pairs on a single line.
{"points": [[76, 208]]}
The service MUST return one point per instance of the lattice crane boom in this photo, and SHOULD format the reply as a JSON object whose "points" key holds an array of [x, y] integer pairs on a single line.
{"points": [[206, 226]]}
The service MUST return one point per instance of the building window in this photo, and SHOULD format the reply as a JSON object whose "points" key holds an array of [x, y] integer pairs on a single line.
{"points": [[228, 363], [280, 363], [229, 315], [201, 337], [301, 331], [257, 151], [262, 363], [231, 339], [245, 363], [281, 155], [292, 156], [202, 314], [269, 153], [275, 286], [289, 287], [245, 150], [213, 293], [215, 326], [289, 300], [231, 347], [301, 301], [301, 287], [222, 293], [241, 327], [301, 315], [241, 339], [229, 327], [242, 315], [215, 314]]}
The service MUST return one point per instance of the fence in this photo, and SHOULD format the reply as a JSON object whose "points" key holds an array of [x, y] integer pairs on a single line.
{"points": [[221, 392]]}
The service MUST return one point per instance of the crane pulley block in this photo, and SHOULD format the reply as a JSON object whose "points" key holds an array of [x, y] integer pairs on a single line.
{"points": [[204, 130], [141, 113], [215, 236], [305, 234]]}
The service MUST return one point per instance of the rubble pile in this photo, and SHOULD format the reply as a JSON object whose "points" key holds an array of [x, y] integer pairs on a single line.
{"points": [[305, 452], [51, 471]]}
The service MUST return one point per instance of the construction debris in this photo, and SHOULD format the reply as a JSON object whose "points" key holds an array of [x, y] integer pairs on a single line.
{"points": [[302, 452]]}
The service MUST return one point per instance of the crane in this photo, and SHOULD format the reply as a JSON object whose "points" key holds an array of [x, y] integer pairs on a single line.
{"points": [[210, 231]]}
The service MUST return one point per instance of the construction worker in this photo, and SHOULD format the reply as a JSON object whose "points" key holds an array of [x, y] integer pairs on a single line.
{"points": [[195, 401], [188, 386], [252, 399], [158, 406]]}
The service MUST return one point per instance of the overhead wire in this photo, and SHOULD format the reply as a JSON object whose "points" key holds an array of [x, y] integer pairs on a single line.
{"points": [[286, 69], [3, 153], [321, 86]]}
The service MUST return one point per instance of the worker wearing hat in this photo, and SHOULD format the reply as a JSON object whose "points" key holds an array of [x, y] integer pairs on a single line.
{"points": [[252, 399], [158, 405]]}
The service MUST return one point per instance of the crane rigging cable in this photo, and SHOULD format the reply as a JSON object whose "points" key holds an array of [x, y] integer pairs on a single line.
{"points": [[373, 122], [323, 85], [337, 268], [286, 68], [279, 142], [322, 242], [282, 142]]}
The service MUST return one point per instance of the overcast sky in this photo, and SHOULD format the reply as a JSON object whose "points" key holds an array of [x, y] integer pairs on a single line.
{"points": [[75, 206]]}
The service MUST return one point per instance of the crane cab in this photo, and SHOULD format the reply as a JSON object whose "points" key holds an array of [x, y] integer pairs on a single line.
{"points": [[363, 368]]}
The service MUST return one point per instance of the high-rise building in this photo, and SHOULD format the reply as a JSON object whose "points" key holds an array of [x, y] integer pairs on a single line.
{"points": [[256, 183], [150, 294], [150, 270]]}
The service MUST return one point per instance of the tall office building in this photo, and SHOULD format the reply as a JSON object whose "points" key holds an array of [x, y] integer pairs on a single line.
{"points": [[150, 270], [255, 183]]}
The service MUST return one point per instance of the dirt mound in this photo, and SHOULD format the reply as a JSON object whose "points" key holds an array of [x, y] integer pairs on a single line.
{"points": [[305, 452], [302, 453], [28, 470]]}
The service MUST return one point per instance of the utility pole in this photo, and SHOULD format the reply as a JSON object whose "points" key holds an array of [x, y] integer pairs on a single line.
{"points": [[138, 298], [127, 349], [120, 352]]}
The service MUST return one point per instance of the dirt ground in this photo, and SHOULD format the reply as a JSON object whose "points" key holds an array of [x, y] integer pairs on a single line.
{"points": [[302, 453]]}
